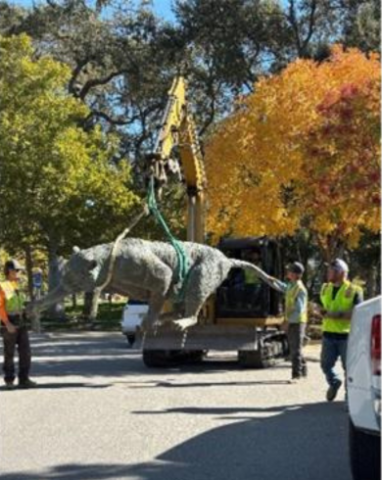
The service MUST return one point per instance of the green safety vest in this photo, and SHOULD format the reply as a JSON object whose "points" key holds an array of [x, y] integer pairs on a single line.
{"points": [[251, 278], [343, 302], [290, 301], [15, 300]]}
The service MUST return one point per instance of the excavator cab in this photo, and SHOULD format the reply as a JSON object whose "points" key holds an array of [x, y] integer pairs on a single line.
{"points": [[243, 294]]}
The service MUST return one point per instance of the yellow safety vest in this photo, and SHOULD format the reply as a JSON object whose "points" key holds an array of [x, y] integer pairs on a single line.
{"points": [[251, 278], [343, 302], [290, 301], [14, 299]]}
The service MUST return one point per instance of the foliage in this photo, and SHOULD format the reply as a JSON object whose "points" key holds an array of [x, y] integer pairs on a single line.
{"points": [[121, 58], [58, 183], [302, 151]]}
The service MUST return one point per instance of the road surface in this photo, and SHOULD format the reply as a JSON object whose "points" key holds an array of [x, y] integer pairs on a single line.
{"points": [[99, 414]]}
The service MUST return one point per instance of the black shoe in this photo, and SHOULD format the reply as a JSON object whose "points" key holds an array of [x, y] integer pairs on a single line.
{"points": [[9, 385], [294, 379], [28, 383], [332, 391]]}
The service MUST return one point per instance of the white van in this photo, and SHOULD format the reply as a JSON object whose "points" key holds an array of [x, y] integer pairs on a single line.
{"points": [[133, 314]]}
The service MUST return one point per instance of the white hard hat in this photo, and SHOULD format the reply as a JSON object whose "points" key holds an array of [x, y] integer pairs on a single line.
{"points": [[339, 265]]}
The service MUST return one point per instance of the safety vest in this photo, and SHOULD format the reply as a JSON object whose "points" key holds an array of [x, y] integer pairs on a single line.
{"points": [[14, 299], [343, 302], [251, 278], [290, 301]]}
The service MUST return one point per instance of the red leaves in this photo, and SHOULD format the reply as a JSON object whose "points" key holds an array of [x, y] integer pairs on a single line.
{"points": [[349, 91]]}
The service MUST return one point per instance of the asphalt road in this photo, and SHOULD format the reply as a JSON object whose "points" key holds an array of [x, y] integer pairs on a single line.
{"points": [[98, 414]]}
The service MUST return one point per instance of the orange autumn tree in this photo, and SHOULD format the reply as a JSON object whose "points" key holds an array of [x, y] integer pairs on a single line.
{"points": [[303, 150]]}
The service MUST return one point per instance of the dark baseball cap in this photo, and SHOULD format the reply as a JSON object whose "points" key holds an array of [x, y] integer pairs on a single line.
{"points": [[296, 267], [13, 265]]}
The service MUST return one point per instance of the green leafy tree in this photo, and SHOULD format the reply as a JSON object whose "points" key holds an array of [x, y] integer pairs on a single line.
{"points": [[60, 185]]}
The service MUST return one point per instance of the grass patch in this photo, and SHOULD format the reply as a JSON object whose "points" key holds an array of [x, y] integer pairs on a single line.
{"points": [[108, 319]]}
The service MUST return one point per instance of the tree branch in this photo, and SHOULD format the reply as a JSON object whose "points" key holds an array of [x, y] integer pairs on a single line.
{"points": [[80, 65], [114, 121], [97, 82], [311, 24], [293, 21]]}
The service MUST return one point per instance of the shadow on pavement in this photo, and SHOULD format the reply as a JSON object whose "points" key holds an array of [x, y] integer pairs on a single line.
{"points": [[75, 345], [109, 355], [88, 367], [130, 364], [171, 384], [297, 443], [56, 386]]}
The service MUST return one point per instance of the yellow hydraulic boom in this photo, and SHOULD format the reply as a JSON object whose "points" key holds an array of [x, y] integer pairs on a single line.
{"points": [[178, 141]]}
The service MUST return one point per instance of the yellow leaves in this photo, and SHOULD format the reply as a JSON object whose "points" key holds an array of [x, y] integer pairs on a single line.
{"points": [[311, 127]]}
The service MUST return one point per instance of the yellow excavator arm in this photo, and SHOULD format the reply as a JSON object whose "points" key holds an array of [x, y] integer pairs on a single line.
{"points": [[178, 141]]}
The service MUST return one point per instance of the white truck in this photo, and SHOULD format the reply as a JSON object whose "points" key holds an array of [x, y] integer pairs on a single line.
{"points": [[364, 390]]}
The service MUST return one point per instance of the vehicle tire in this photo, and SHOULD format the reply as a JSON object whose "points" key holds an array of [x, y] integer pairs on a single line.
{"points": [[255, 359], [190, 357], [130, 338], [365, 454], [160, 358]]}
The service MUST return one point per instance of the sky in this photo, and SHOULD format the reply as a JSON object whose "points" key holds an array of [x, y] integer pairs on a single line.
{"points": [[161, 7]]}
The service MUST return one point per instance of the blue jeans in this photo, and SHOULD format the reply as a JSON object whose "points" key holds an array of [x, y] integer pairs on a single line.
{"points": [[332, 348]]}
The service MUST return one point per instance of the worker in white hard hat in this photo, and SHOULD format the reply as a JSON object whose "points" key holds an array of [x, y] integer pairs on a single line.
{"points": [[338, 298]]}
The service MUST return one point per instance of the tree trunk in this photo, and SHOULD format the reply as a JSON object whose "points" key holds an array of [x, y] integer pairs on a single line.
{"points": [[57, 311], [29, 268], [91, 302], [371, 281], [95, 305], [88, 299], [35, 320]]}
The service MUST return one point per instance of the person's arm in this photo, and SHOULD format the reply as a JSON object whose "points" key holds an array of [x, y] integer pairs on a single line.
{"points": [[300, 306], [3, 314], [282, 286], [346, 316]]}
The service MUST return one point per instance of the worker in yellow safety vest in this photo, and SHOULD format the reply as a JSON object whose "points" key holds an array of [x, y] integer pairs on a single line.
{"points": [[338, 298], [296, 316], [13, 327]]}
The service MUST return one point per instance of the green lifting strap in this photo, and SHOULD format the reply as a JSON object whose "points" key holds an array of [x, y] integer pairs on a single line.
{"points": [[183, 264]]}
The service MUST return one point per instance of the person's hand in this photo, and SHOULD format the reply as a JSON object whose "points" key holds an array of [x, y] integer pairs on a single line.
{"points": [[334, 314], [273, 283], [11, 328]]}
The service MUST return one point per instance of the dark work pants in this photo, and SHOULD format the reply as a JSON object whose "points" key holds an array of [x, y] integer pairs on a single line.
{"points": [[296, 334], [10, 340]]}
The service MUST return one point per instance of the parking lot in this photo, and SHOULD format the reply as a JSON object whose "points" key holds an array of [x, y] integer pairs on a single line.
{"points": [[98, 413]]}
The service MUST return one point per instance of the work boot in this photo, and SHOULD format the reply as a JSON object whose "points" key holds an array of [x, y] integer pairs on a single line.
{"points": [[27, 383], [332, 391], [295, 379]]}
